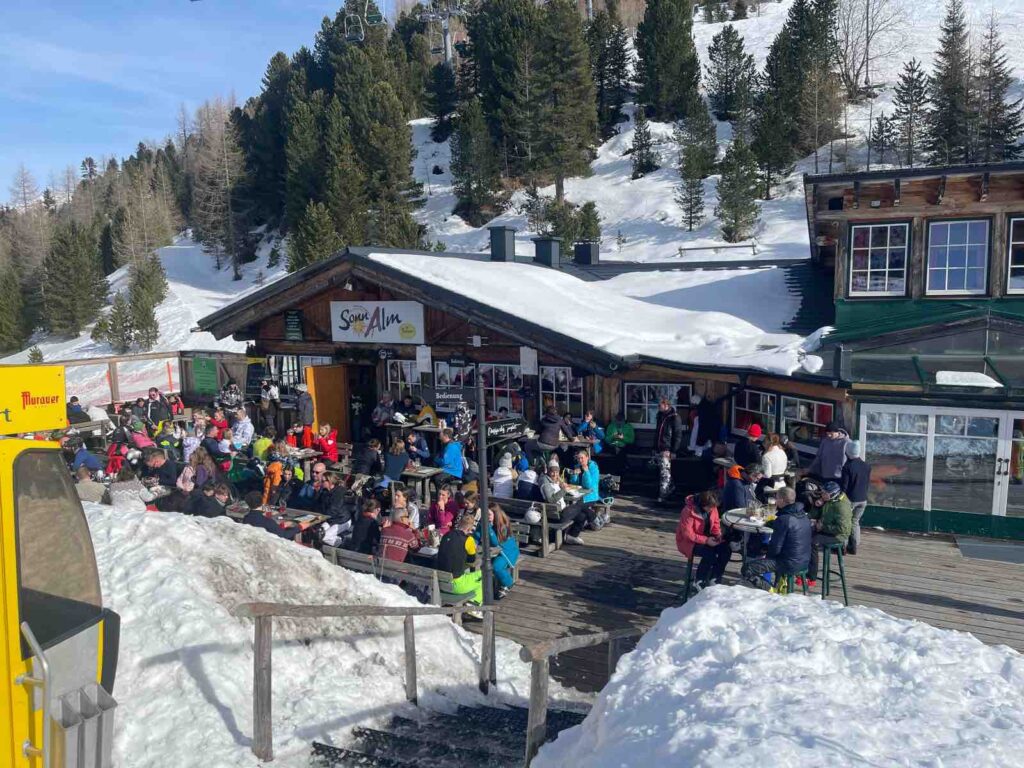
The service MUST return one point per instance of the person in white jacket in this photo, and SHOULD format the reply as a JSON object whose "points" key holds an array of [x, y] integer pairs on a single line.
{"points": [[775, 460], [503, 482], [242, 430]]}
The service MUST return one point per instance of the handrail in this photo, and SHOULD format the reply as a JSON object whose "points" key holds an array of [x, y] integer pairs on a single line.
{"points": [[264, 613], [43, 681], [540, 654]]}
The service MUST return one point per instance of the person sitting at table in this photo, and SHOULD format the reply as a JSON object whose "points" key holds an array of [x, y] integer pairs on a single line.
{"points": [[262, 444], [455, 554], [287, 491], [327, 442], [774, 461], [168, 439], [308, 496], [748, 449], [503, 479], [789, 549], [589, 430], [398, 536], [82, 456], [205, 501], [740, 486], [75, 412], [528, 484], [416, 447], [699, 534], [503, 562], [587, 476], [552, 488], [368, 460], [552, 430], [408, 407], [219, 421], [258, 519], [832, 523], [451, 465], [198, 471], [382, 414], [400, 501], [139, 437], [396, 461], [159, 470], [87, 488], [242, 430], [366, 531], [332, 505], [273, 474], [618, 436], [443, 511]]}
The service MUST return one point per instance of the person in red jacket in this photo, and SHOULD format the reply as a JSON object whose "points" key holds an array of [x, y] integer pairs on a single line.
{"points": [[699, 534], [327, 443], [218, 421], [443, 511]]}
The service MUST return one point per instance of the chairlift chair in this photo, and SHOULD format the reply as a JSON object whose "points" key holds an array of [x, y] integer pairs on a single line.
{"points": [[373, 16], [354, 28], [436, 38]]}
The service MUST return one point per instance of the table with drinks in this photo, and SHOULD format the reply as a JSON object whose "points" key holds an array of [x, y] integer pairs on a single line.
{"points": [[285, 517], [754, 518], [421, 476]]}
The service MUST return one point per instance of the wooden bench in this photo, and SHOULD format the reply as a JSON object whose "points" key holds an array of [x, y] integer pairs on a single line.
{"points": [[551, 522]]}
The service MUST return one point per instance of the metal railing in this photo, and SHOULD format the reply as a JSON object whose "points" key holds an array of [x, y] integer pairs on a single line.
{"points": [[264, 614], [539, 655]]}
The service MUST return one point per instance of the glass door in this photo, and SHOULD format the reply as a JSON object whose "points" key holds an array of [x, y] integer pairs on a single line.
{"points": [[1012, 466], [966, 467]]}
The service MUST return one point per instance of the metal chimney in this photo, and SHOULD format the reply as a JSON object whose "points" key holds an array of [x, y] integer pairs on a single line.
{"points": [[587, 252], [547, 249], [503, 243]]}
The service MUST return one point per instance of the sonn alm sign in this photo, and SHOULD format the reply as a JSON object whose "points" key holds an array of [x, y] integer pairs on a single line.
{"points": [[377, 322]]}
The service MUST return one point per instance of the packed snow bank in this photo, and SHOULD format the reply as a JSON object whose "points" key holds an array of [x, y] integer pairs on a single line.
{"points": [[184, 681], [739, 677], [604, 319]]}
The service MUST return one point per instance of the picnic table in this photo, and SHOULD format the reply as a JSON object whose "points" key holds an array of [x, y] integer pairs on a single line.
{"points": [[306, 456], [737, 520], [421, 476], [298, 518]]}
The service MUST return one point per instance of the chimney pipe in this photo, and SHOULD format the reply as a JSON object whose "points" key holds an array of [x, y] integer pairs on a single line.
{"points": [[547, 249], [588, 252], [503, 243]]}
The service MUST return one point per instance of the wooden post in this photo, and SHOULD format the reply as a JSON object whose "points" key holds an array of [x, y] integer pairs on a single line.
{"points": [[263, 735], [614, 654], [536, 724], [410, 659], [115, 389], [486, 652]]}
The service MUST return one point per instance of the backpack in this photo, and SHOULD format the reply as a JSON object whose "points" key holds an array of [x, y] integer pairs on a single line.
{"points": [[603, 514]]}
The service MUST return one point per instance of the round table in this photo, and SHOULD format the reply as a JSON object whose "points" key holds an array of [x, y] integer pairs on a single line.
{"points": [[737, 519]]}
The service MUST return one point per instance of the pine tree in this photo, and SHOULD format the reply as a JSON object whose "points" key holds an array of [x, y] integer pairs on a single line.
{"points": [[737, 208], [35, 356], [345, 183], [609, 65], [442, 98], [474, 166], [1000, 120], [265, 148], [12, 329], [739, 10], [697, 134], [731, 74], [644, 158], [393, 191], [24, 190], [885, 137], [74, 287], [668, 69], [107, 257], [690, 192], [302, 150], [771, 143], [568, 123], [952, 115], [589, 223], [117, 327], [313, 238], [911, 103]]}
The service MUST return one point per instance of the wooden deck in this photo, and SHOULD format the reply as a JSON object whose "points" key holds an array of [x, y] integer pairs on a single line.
{"points": [[626, 574]]}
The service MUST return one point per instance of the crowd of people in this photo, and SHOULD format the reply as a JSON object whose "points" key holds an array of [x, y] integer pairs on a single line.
{"points": [[815, 507]]}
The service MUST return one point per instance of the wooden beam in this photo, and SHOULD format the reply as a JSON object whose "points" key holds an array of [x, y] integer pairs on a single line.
{"points": [[984, 187], [942, 190], [896, 192], [263, 734], [856, 194]]}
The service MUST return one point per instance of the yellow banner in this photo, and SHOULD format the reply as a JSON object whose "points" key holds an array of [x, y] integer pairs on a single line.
{"points": [[32, 398]]}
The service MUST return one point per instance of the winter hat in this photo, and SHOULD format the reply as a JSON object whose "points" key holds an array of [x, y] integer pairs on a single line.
{"points": [[853, 449], [695, 399], [831, 489], [301, 387], [553, 462], [833, 426], [505, 462], [754, 431]]}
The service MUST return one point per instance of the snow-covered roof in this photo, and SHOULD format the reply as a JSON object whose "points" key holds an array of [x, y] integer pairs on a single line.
{"points": [[601, 316]]}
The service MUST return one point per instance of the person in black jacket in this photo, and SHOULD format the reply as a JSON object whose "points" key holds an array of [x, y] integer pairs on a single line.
{"points": [[855, 482], [162, 470], [368, 460], [748, 449], [332, 501], [552, 429], [157, 409], [453, 556], [668, 437], [366, 532], [789, 550], [204, 502]]}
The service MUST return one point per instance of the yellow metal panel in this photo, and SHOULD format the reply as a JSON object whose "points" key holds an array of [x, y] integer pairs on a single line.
{"points": [[32, 399]]}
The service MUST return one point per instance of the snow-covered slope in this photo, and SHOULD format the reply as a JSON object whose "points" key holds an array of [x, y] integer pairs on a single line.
{"points": [[184, 679], [640, 219], [743, 678]]}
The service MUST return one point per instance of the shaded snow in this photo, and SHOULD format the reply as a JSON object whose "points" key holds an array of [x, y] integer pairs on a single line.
{"points": [[184, 679], [743, 678], [965, 379], [602, 317]]}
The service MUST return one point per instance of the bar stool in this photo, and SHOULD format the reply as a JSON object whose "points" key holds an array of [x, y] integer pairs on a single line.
{"points": [[689, 579], [827, 572], [791, 582]]}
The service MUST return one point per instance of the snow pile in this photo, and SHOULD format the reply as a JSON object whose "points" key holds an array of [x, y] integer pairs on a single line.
{"points": [[739, 677], [602, 318], [965, 379], [184, 681]]}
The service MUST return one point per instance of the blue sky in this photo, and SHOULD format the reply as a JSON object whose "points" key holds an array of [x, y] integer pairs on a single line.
{"points": [[94, 77]]}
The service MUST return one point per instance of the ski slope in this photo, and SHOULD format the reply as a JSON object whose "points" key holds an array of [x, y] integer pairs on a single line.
{"points": [[738, 677], [184, 677]]}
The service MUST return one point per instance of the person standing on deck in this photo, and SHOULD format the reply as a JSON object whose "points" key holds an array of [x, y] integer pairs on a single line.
{"points": [[668, 438]]}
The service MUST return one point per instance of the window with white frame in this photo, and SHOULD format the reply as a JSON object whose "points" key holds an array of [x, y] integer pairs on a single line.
{"points": [[452, 376], [1015, 272], [804, 421], [402, 377], [641, 401], [560, 388], [290, 370], [957, 257], [501, 389], [878, 259], [752, 407]]}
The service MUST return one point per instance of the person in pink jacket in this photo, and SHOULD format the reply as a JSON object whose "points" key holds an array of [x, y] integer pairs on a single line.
{"points": [[699, 535], [443, 511]]}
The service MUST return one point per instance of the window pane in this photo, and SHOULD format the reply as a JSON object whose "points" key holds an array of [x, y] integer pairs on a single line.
{"points": [[879, 237], [898, 469], [939, 234], [958, 233], [1017, 279], [878, 258], [898, 235], [976, 279], [913, 423], [982, 426], [962, 472], [956, 280], [859, 282], [936, 280], [1017, 231], [897, 259], [59, 586], [950, 425], [957, 257], [978, 232], [937, 256], [876, 282], [976, 255], [881, 422], [861, 237], [896, 284], [860, 259]]}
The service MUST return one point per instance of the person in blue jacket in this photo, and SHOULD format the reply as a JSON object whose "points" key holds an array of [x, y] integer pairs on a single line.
{"points": [[589, 430], [85, 459], [789, 550], [504, 548], [587, 476], [416, 447], [451, 459]]}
